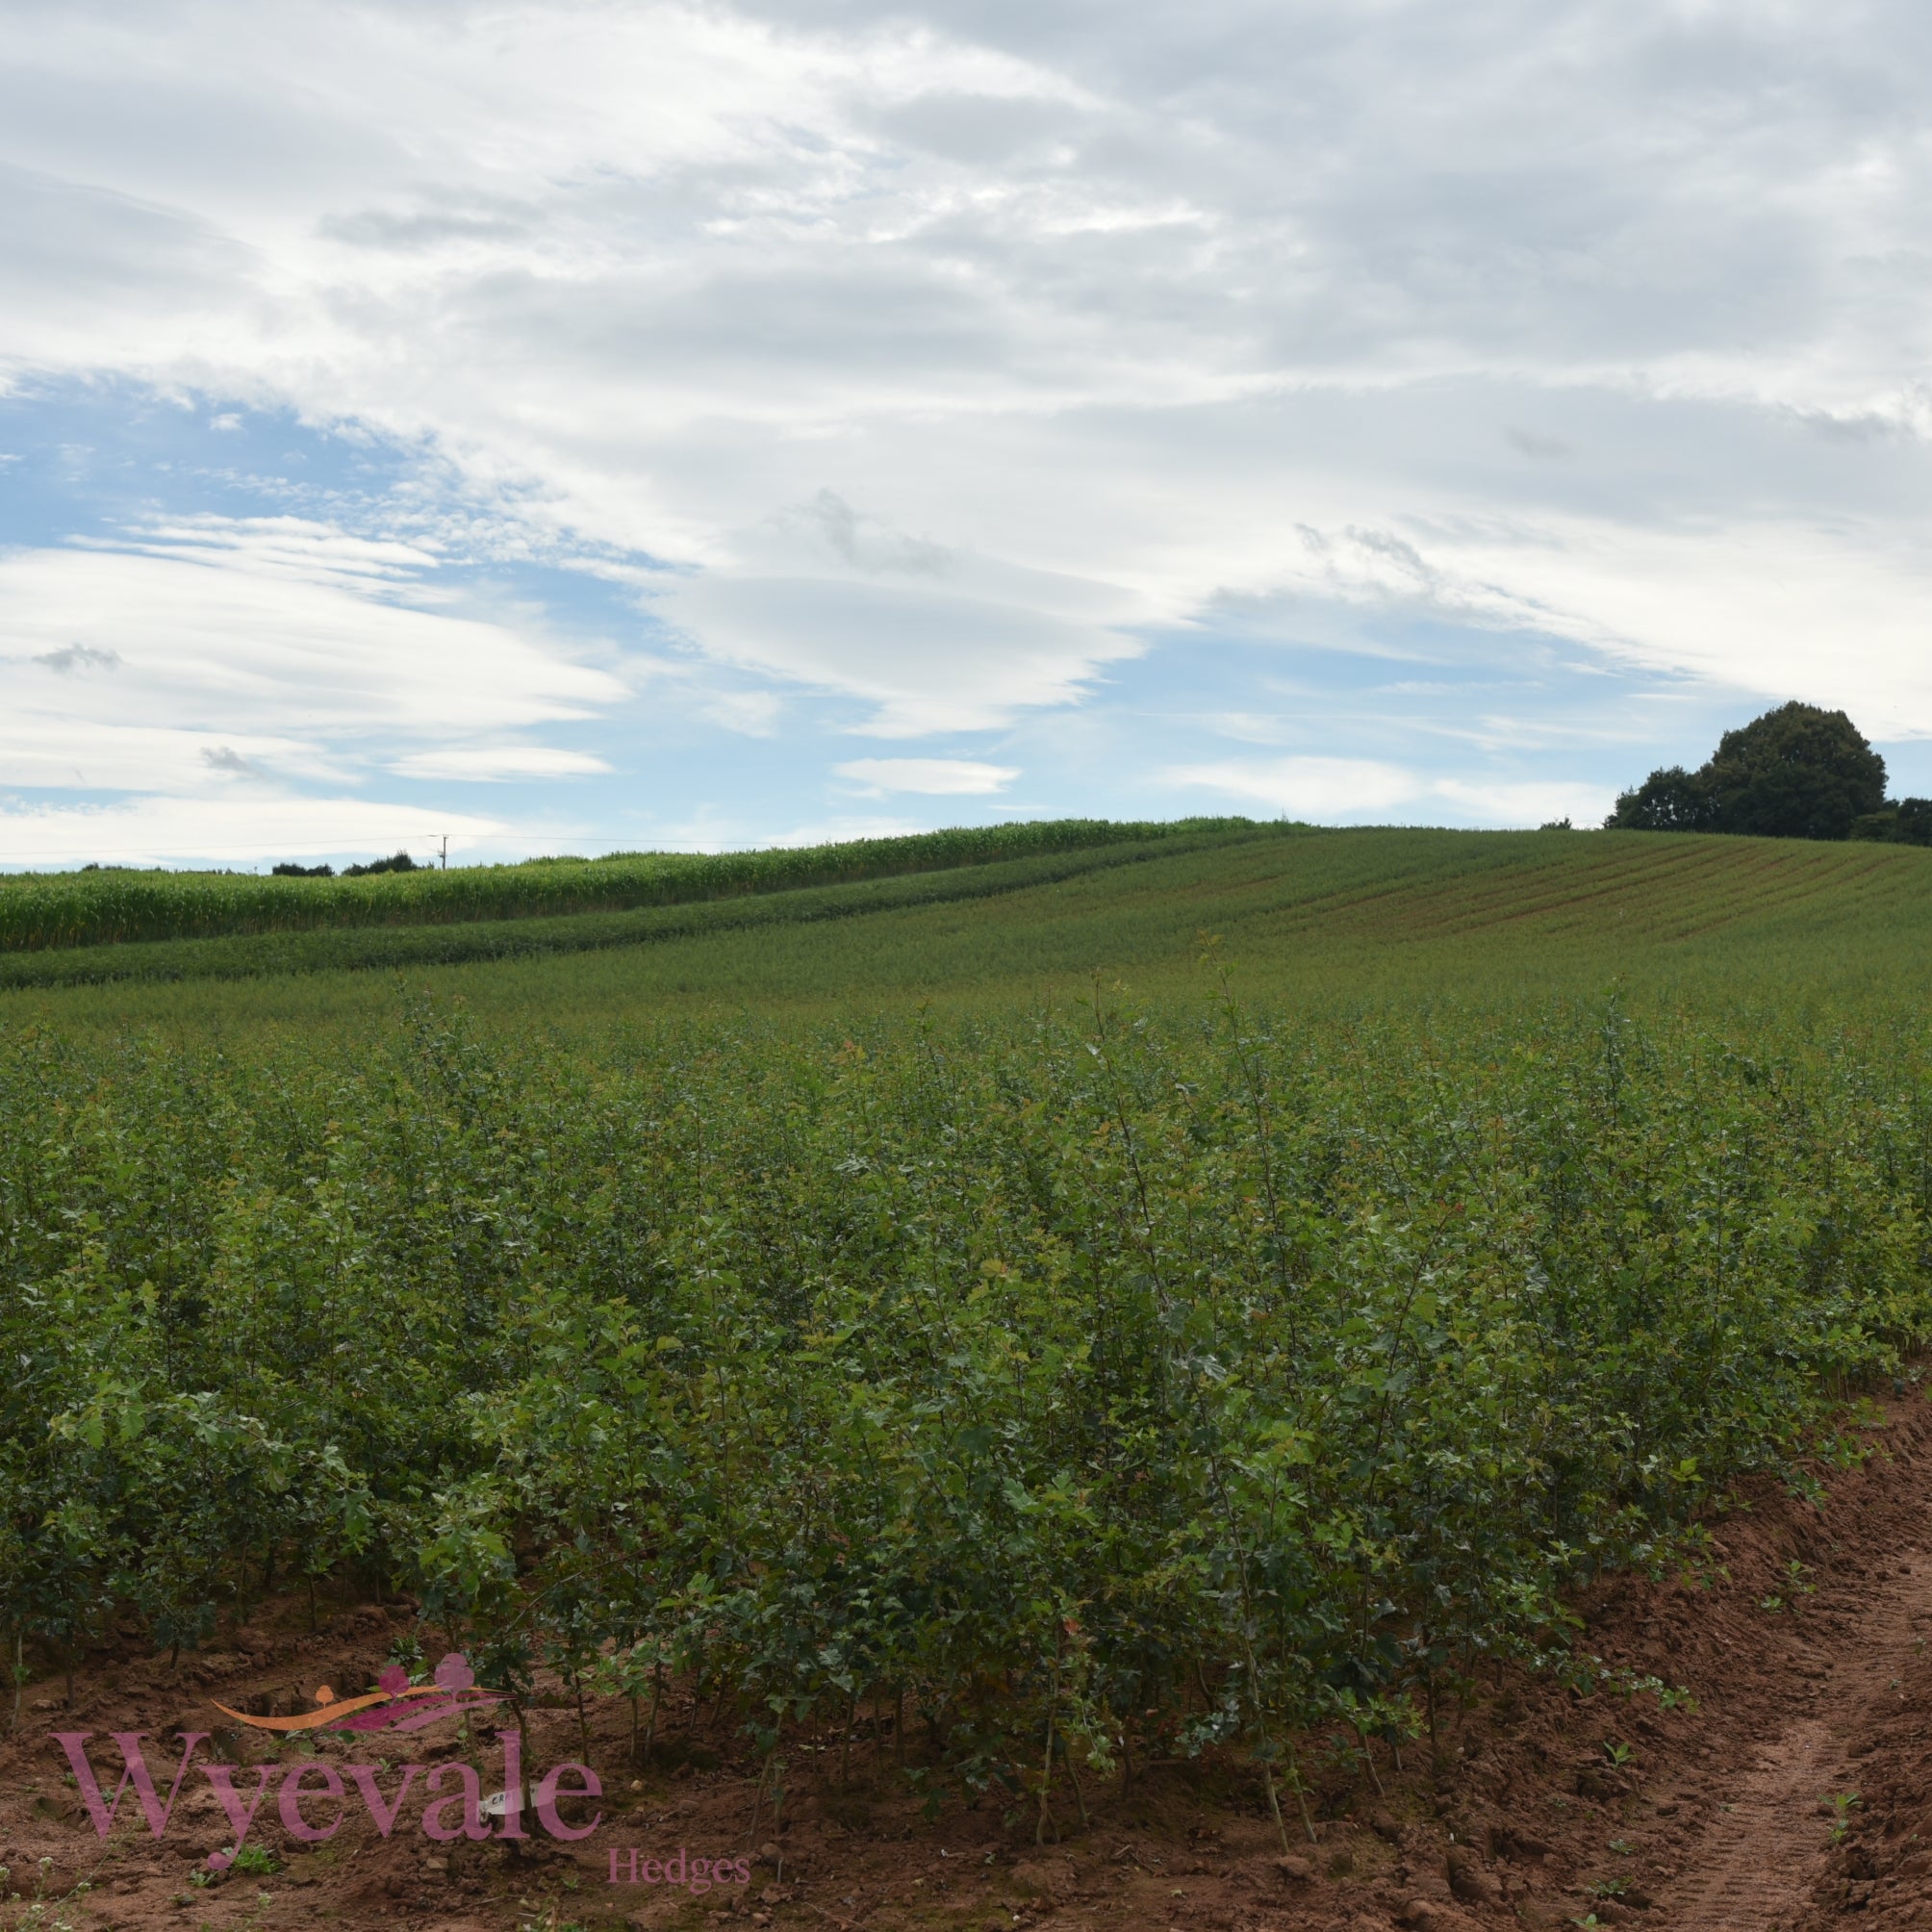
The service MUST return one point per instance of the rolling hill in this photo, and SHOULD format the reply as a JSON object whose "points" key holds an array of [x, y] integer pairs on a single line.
{"points": [[1332, 916]]}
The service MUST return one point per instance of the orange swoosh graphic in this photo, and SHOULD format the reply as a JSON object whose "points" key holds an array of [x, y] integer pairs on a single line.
{"points": [[329, 1713]]}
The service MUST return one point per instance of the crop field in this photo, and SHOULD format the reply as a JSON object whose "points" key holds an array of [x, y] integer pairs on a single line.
{"points": [[98, 907], [1169, 1307], [1333, 919]]}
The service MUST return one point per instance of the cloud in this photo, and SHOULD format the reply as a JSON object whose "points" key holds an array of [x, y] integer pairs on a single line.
{"points": [[482, 763], [1309, 788], [1333, 789], [162, 829], [279, 644], [925, 661], [947, 777], [72, 657], [835, 600], [753, 714], [1527, 805], [868, 543], [948, 355], [48, 750], [1543, 447]]}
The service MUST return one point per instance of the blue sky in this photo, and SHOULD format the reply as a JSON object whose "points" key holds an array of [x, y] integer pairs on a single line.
{"points": [[570, 429]]}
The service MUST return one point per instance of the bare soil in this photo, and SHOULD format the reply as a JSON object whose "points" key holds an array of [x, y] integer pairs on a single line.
{"points": [[1798, 1792]]}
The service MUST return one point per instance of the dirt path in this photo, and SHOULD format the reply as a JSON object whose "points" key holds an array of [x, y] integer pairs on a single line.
{"points": [[1767, 1840]]}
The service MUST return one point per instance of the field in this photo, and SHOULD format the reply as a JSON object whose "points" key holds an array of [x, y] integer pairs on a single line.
{"points": [[111, 906], [1408, 918], [1216, 1305]]}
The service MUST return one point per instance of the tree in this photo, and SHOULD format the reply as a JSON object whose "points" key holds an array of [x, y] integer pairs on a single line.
{"points": [[1797, 773], [1669, 800]]}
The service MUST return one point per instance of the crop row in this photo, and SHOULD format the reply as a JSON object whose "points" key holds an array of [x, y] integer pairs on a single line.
{"points": [[1105, 1388], [110, 906]]}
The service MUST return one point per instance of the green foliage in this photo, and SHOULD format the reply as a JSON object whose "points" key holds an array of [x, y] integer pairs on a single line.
{"points": [[1842, 1805], [107, 906], [1670, 800], [1909, 822], [396, 862], [1102, 1381], [1796, 773]]}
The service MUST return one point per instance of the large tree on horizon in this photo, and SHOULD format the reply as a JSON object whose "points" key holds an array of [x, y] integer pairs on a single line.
{"points": [[1796, 773]]}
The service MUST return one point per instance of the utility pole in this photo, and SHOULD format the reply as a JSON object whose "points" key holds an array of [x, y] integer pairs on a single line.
{"points": [[446, 852]]}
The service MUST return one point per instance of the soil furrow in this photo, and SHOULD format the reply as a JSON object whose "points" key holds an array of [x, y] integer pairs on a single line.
{"points": [[1767, 1847]]}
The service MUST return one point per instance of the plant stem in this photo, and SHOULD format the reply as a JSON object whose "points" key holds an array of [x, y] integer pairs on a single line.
{"points": [[1047, 1770], [656, 1692]]}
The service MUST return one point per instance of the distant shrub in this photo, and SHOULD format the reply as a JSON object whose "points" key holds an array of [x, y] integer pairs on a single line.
{"points": [[397, 862], [1909, 822], [289, 871]]}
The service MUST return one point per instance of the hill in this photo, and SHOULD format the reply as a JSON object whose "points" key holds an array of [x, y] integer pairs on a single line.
{"points": [[110, 905], [1329, 917]]}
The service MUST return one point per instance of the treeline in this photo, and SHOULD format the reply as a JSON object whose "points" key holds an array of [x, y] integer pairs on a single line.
{"points": [[396, 862], [1096, 1385], [108, 906], [1797, 773]]}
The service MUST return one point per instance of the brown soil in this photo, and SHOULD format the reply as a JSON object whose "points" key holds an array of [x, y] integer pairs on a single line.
{"points": [[1547, 1807]]}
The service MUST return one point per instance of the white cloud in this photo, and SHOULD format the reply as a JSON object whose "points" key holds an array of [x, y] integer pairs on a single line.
{"points": [[1789, 609], [831, 598], [161, 830], [948, 778], [1505, 804], [753, 714], [43, 749], [475, 763], [715, 830], [1309, 788], [948, 351], [298, 649], [927, 661], [1329, 789]]}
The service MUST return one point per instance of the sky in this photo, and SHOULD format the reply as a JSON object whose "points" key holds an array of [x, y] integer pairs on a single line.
{"points": [[576, 427]]}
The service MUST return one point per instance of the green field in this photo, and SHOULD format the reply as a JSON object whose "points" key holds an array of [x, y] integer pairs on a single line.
{"points": [[1335, 918], [114, 906], [1208, 1292]]}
